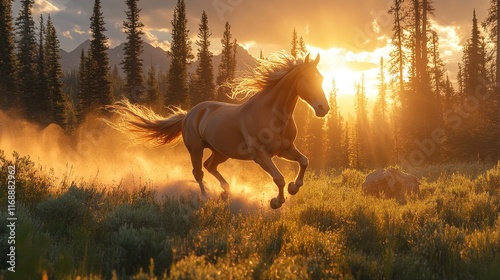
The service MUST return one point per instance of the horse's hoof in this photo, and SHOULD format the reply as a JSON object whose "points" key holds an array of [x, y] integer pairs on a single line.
{"points": [[275, 203], [292, 188], [224, 195], [204, 195]]}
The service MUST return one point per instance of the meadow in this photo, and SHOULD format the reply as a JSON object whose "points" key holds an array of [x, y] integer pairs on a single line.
{"points": [[329, 230]]}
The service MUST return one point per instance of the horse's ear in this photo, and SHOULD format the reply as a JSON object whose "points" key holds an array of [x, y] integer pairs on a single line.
{"points": [[307, 59], [316, 61]]}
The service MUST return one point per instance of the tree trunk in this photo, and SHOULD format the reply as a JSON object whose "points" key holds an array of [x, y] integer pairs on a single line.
{"points": [[424, 57], [418, 44], [498, 43], [400, 46]]}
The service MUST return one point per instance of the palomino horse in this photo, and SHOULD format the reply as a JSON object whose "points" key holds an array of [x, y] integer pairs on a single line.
{"points": [[258, 129]]}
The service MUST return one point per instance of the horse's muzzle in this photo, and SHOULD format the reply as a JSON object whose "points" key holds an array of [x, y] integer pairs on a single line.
{"points": [[321, 110]]}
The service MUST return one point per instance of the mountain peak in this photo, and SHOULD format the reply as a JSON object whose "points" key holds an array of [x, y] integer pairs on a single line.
{"points": [[151, 55]]}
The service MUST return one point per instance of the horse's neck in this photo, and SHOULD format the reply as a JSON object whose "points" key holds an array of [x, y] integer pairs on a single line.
{"points": [[283, 97]]}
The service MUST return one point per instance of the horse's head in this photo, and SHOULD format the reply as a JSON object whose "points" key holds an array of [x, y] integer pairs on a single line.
{"points": [[310, 89]]}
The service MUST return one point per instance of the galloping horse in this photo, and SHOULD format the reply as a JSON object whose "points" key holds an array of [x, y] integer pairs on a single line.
{"points": [[258, 129]]}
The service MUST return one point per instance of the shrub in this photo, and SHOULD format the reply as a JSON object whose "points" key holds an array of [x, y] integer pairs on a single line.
{"points": [[131, 249], [136, 215], [74, 213], [32, 184]]}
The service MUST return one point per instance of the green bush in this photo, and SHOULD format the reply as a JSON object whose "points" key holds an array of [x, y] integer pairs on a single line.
{"points": [[133, 248], [32, 184], [75, 212]]}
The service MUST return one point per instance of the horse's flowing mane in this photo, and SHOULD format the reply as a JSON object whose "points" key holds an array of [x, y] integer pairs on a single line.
{"points": [[265, 75]]}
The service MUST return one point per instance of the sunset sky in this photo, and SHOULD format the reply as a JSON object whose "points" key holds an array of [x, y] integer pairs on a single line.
{"points": [[351, 36]]}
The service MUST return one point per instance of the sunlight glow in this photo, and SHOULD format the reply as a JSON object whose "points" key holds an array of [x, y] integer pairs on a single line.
{"points": [[347, 68]]}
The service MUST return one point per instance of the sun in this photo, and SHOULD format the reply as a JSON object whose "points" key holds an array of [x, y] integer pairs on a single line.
{"points": [[333, 66], [344, 78]]}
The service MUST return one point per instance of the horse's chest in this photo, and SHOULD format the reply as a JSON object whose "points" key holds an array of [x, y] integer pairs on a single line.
{"points": [[278, 144]]}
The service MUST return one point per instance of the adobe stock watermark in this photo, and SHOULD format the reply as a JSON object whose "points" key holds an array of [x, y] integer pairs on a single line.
{"points": [[266, 135], [454, 118], [225, 6], [11, 218]]}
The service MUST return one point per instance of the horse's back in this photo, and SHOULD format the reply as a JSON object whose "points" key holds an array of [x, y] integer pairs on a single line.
{"points": [[212, 110], [216, 124]]}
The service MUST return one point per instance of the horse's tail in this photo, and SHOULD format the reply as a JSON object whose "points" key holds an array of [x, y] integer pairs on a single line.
{"points": [[143, 124]]}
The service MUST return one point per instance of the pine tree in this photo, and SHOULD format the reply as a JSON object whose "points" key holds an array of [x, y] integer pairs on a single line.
{"points": [[354, 147], [302, 46], [234, 60], [314, 139], [418, 104], [362, 129], [344, 144], [381, 139], [474, 61], [8, 78], [295, 44], [437, 66], [380, 110], [427, 10], [84, 101], [398, 62], [27, 58], [460, 79], [225, 66], [100, 92], [133, 48], [57, 99], [117, 83], [492, 24], [416, 46], [398, 55], [422, 101], [70, 82], [153, 89], [204, 80], [333, 133], [472, 138], [41, 99], [180, 54], [449, 96]]}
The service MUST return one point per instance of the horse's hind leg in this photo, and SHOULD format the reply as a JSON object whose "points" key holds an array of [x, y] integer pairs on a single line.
{"points": [[211, 165], [196, 160]]}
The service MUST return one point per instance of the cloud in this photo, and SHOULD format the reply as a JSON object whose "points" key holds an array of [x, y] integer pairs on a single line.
{"points": [[77, 29], [67, 34], [44, 7], [157, 37]]}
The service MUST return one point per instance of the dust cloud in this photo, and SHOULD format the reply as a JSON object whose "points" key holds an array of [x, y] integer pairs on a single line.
{"points": [[97, 154]]}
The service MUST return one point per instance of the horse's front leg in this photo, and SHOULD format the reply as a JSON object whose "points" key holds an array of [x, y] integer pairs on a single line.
{"points": [[266, 162], [293, 154]]}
